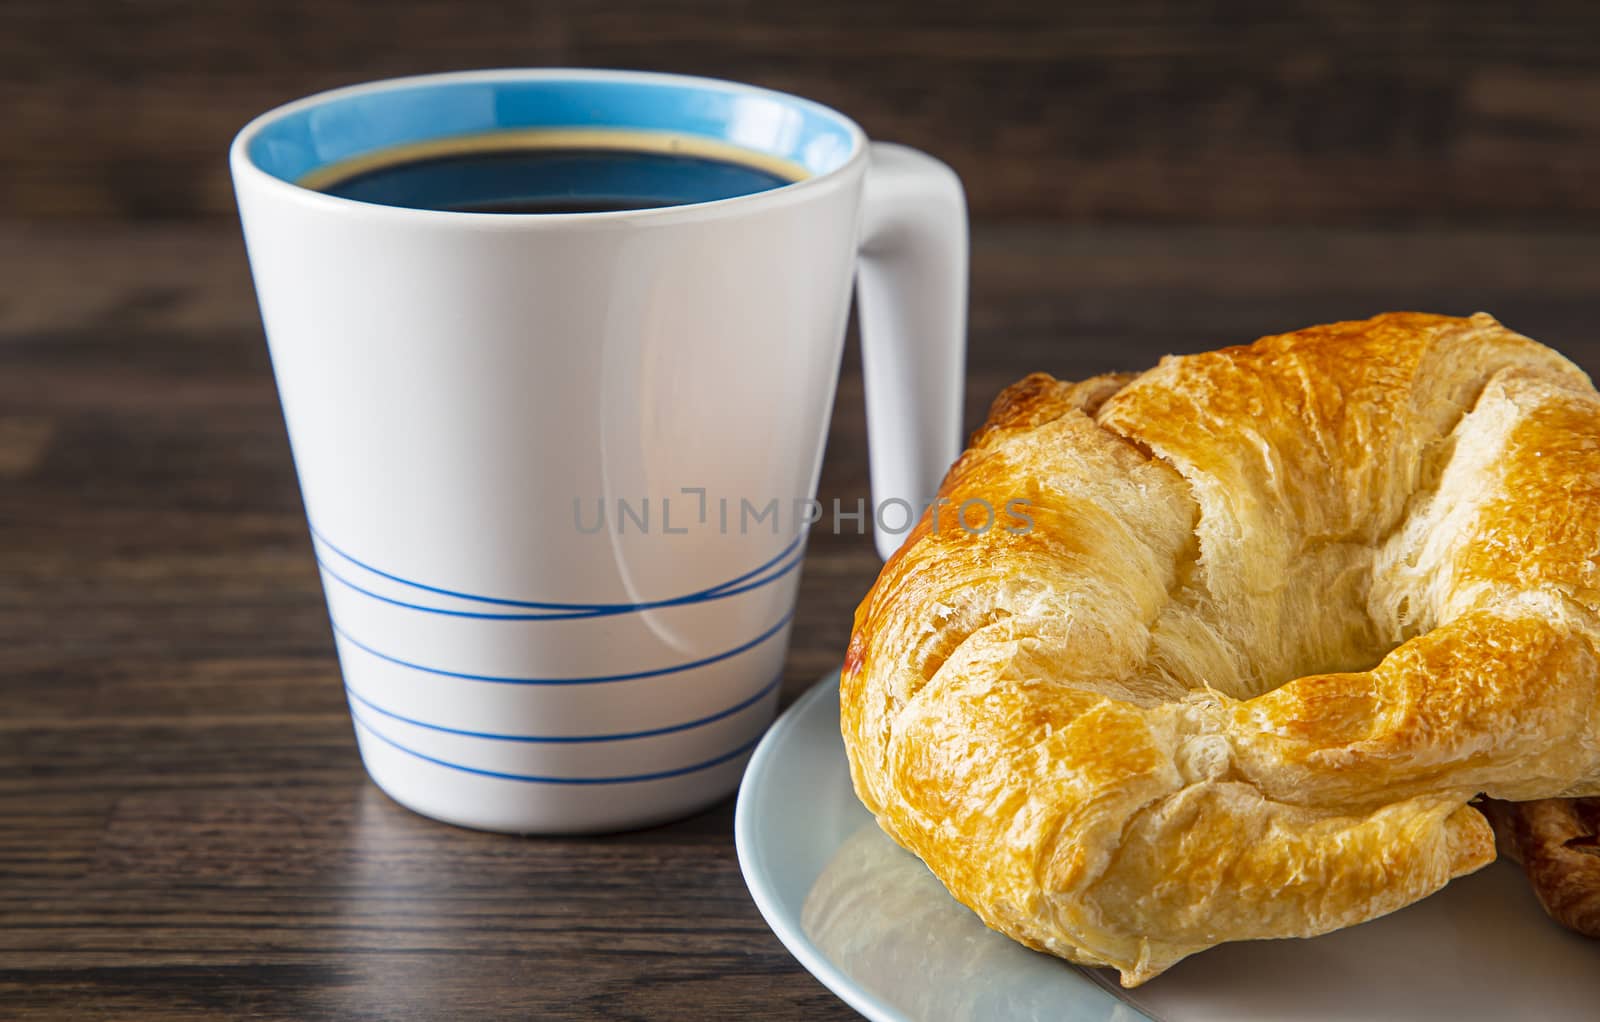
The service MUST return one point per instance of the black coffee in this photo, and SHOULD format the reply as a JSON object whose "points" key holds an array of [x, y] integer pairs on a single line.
{"points": [[550, 180]]}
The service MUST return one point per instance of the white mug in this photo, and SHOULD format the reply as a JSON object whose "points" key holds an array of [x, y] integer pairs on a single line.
{"points": [[559, 468]]}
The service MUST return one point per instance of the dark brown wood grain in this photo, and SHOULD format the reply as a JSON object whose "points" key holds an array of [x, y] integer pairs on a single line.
{"points": [[185, 828], [1370, 112]]}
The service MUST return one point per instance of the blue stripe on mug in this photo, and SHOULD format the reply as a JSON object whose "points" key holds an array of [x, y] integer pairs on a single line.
{"points": [[704, 596], [621, 736], [659, 775], [717, 591], [586, 680]]}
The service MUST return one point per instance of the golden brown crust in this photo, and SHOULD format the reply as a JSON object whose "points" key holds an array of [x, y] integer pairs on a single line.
{"points": [[1279, 613], [1557, 841]]}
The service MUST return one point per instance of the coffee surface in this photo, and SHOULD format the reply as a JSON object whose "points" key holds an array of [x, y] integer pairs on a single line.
{"points": [[553, 180]]}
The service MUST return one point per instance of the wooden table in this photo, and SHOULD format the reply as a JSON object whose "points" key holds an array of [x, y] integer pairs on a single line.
{"points": [[185, 828]]}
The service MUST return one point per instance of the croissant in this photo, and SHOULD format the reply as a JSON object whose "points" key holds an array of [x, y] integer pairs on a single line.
{"points": [[1261, 623], [1557, 841]]}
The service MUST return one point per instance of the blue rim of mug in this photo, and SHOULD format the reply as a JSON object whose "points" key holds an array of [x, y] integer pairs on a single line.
{"points": [[288, 134]]}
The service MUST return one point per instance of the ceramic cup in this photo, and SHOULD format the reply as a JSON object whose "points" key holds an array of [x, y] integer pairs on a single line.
{"points": [[559, 468]]}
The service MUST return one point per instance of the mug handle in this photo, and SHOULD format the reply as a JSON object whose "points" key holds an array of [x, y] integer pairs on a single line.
{"points": [[911, 292]]}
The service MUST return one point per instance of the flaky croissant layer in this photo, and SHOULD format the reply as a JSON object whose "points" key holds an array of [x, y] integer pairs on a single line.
{"points": [[1281, 612]]}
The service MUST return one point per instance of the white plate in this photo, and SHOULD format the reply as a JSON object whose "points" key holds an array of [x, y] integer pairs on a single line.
{"points": [[870, 922]]}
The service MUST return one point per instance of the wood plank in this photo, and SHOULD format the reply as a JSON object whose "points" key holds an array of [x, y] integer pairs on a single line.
{"points": [[1356, 112], [185, 828]]}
